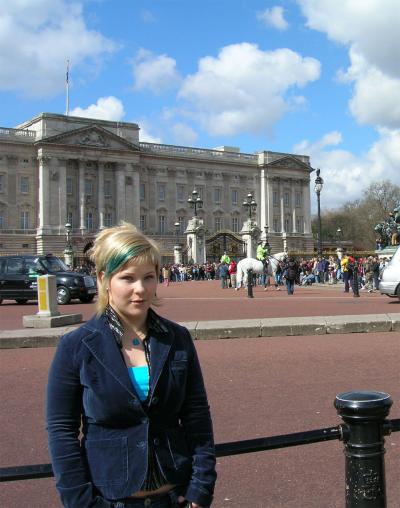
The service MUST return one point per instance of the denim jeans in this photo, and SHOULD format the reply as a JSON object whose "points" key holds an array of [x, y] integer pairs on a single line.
{"points": [[290, 286]]}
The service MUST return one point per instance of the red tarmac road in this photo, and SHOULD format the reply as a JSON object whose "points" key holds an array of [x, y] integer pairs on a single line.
{"points": [[205, 300], [257, 387]]}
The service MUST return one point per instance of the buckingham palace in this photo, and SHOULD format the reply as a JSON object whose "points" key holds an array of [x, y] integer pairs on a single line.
{"points": [[91, 174]]}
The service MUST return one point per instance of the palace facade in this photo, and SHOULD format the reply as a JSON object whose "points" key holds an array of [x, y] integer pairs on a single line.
{"points": [[57, 169]]}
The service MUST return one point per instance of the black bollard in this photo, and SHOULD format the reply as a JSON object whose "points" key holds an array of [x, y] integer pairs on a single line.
{"points": [[364, 414], [250, 283], [356, 290]]}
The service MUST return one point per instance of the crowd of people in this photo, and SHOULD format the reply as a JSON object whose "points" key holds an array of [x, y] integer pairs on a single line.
{"points": [[302, 271]]}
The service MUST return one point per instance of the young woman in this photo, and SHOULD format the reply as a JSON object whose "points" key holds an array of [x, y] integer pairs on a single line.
{"points": [[127, 413]]}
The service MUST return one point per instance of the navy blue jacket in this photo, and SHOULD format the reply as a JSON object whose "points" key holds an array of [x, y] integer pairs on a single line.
{"points": [[89, 384]]}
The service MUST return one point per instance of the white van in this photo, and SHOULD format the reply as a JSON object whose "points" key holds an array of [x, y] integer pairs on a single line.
{"points": [[390, 278]]}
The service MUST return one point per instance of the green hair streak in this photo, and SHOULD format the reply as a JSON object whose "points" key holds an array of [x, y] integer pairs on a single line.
{"points": [[120, 259]]}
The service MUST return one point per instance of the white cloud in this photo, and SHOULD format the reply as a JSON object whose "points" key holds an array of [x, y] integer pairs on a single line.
{"points": [[37, 38], [370, 30], [106, 108], [273, 17], [183, 134], [244, 89], [145, 134], [344, 174], [154, 72]]}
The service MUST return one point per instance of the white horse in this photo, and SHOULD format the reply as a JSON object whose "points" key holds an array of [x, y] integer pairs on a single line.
{"points": [[257, 267]]}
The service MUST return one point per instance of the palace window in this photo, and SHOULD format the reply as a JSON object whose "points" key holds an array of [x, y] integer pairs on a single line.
{"points": [[107, 189], [235, 224], [286, 199], [70, 218], [217, 195], [24, 184], [182, 222], [1, 222], [142, 191], [161, 191], [89, 221], [218, 224], [180, 193], [276, 225], [88, 187], [143, 222], [108, 219], [275, 198], [24, 220], [287, 224], [234, 197], [69, 186], [2, 183], [161, 224], [299, 225], [298, 199]]}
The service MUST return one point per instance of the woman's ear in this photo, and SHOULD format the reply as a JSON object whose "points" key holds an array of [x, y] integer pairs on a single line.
{"points": [[100, 276]]}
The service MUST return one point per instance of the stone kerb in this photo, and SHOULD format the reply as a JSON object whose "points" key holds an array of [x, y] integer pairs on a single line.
{"points": [[357, 324], [278, 327], [245, 328]]}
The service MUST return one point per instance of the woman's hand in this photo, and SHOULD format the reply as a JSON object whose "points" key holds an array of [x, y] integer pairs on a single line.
{"points": [[181, 499]]}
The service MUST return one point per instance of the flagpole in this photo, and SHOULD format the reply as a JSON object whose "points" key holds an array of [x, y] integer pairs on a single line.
{"points": [[67, 85]]}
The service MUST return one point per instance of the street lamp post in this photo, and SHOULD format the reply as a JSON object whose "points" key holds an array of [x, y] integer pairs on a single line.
{"points": [[319, 183], [266, 243], [250, 205], [68, 251], [195, 201]]}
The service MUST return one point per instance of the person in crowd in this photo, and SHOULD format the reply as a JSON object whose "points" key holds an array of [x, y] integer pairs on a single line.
{"points": [[233, 272], [223, 274], [128, 419], [369, 274], [347, 272], [290, 273], [376, 270], [166, 274], [278, 276], [321, 270], [225, 258]]}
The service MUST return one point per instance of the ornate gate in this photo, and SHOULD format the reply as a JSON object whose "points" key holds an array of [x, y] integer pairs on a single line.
{"points": [[225, 241]]}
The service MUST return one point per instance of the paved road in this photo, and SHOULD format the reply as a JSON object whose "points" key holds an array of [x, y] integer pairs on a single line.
{"points": [[205, 300], [257, 387]]}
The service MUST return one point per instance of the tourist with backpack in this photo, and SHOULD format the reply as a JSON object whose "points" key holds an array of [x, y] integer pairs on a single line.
{"points": [[290, 274]]}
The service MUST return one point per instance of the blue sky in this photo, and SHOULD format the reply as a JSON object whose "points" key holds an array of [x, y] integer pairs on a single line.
{"points": [[299, 76]]}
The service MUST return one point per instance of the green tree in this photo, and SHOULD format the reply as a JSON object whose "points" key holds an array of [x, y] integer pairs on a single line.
{"points": [[357, 219]]}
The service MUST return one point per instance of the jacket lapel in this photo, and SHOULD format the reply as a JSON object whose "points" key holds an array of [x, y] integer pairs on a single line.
{"points": [[104, 348]]}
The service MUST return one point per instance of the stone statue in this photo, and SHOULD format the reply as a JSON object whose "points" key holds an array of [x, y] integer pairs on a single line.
{"points": [[389, 230]]}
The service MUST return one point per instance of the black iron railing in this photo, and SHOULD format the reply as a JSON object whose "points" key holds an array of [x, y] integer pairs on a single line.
{"points": [[362, 432]]}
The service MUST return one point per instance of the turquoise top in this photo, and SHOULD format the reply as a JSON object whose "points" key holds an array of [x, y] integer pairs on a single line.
{"points": [[140, 380]]}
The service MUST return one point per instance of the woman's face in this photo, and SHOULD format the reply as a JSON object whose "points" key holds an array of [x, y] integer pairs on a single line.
{"points": [[131, 291]]}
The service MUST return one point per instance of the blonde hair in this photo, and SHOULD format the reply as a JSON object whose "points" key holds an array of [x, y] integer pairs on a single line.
{"points": [[116, 246]]}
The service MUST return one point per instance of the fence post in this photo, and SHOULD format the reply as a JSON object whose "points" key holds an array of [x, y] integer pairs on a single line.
{"points": [[250, 283], [364, 413]]}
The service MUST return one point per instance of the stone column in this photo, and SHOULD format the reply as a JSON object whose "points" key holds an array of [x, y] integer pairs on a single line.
{"points": [[82, 201], [264, 220], [136, 196], [282, 206], [307, 207], [62, 171], [44, 193], [121, 195], [293, 189], [100, 192]]}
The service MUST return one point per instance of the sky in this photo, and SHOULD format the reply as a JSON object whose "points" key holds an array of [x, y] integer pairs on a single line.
{"points": [[312, 77]]}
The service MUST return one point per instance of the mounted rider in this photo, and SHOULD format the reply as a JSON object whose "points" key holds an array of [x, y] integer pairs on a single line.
{"points": [[262, 253]]}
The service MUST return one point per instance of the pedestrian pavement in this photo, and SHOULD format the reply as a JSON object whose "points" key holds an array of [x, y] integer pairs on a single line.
{"points": [[229, 329]]}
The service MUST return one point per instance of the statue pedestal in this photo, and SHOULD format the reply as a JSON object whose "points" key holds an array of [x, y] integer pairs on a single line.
{"points": [[177, 254], [195, 236], [387, 252], [250, 233]]}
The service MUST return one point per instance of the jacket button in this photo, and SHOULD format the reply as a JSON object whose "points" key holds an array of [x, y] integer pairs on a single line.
{"points": [[156, 441], [154, 401]]}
